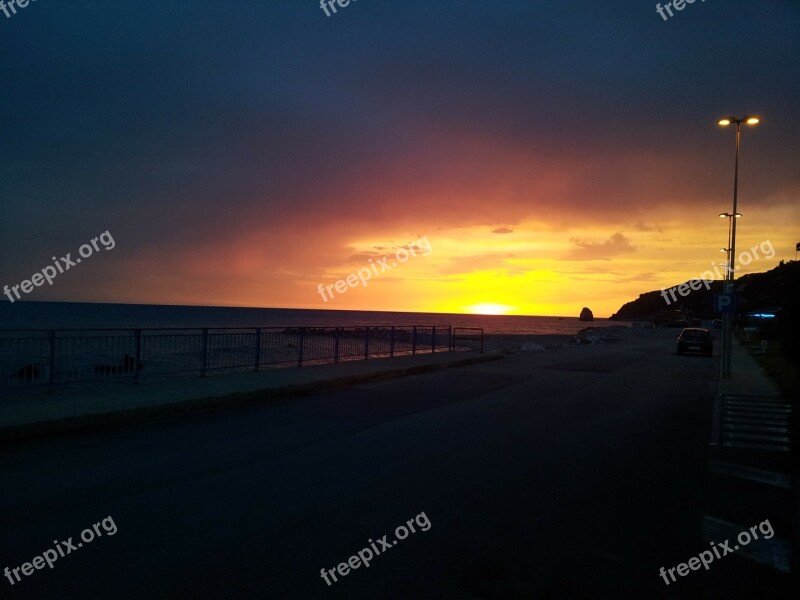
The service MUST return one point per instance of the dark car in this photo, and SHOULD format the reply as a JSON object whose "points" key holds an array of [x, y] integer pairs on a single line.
{"points": [[695, 339]]}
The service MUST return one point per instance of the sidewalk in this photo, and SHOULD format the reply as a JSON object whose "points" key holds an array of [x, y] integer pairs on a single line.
{"points": [[747, 377], [752, 479], [27, 413]]}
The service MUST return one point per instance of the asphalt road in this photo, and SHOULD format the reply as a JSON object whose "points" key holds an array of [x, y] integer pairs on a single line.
{"points": [[572, 474]]}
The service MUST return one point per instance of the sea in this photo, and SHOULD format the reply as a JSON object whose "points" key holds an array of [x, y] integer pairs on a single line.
{"points": [[82, 315]]}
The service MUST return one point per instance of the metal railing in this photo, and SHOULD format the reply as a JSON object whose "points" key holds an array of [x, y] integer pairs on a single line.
{"points": [[56, 356]]}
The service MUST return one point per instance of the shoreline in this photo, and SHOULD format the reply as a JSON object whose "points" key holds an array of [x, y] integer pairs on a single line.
{"points": [[511, 343], [547, 342]]}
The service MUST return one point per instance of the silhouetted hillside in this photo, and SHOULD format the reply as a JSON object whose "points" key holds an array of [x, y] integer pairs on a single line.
{"points": [[651, 304], [777, 288]]}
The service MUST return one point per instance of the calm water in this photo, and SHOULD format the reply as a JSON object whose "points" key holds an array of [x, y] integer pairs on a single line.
{"points": [[69, 315]]}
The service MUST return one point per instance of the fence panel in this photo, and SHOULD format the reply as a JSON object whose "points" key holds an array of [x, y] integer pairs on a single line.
{"points": [[51, 357]]}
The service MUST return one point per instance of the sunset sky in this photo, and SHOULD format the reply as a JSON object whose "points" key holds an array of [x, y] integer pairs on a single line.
{"points": [[555, 154]]}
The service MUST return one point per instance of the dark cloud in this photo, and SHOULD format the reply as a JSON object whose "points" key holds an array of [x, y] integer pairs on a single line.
{"points": [[615, 245], [642, 226]]}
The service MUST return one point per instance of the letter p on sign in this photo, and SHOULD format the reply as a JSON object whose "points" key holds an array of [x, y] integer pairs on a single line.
{"points": [[724, 303]]}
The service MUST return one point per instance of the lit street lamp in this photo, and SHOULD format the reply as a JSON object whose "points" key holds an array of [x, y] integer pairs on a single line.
{"points": [[727, 332]]}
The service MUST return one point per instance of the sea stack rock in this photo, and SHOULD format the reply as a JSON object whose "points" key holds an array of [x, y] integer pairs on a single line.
{"points": [[586, 315]]}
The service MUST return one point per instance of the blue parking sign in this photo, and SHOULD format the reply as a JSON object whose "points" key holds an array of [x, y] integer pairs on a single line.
{"points": [[725, 303]]}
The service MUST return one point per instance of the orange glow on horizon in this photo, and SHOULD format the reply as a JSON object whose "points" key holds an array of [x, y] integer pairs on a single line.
{"points": [[524, 268]]}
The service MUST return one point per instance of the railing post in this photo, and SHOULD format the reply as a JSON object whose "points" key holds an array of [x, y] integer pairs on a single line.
{"points": [[205, 353], [414, 340], [51, 338], [137, 355], [336, 347], [300, 346], [258, 349], [450, 344], [433, 340], [481, 341], [366, 343], [391, 342]]}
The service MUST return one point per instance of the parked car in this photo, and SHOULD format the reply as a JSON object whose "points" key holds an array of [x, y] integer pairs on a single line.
{"points": [[695, 339]]}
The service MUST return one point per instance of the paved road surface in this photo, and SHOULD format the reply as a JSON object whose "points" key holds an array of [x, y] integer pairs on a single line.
{"points": [[572, 474]]}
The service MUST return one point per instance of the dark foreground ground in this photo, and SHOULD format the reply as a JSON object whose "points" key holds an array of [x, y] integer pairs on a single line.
{"points": [[575, 473]]}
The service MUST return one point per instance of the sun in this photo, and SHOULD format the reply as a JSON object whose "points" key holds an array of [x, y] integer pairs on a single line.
{"points": [[489, 309]]}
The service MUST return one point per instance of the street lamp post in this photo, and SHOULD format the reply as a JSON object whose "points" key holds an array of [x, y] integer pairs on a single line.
{"points": [[727, 335], [728, 249], [727, 318]]}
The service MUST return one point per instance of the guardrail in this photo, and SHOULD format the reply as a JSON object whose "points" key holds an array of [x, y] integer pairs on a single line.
{"points": [[57, 356]]}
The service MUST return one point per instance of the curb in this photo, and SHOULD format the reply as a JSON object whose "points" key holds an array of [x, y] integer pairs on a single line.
{"points": [[139, 414]]}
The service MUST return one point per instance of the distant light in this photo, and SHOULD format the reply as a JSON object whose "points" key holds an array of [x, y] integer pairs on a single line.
{"points": [[724, 122], [723, 215], [763, 315], [737, 215], [753, 121]]}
